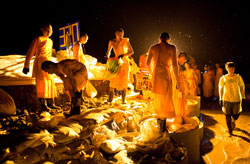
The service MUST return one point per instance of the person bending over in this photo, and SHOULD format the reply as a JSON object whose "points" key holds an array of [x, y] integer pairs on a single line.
{"points": [[74, 76]]}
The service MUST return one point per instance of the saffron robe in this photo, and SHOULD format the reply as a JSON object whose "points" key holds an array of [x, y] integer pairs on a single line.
{"points": [[163, 56], [41, 48], [120, 82]]}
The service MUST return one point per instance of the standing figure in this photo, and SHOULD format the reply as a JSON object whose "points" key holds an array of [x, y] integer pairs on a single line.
{"points": [[74, 76], [163, 56], [207, 85], [231, 92], [218, 74], [144, 72], [143, 63], [79, 50], [190, 81], [211, 72], [179, 97], [134, 70], [41, 48], [198, 74], [122, 50]]}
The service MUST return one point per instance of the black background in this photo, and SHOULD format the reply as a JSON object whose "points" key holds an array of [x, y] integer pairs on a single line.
{"points": [[210, 31]]}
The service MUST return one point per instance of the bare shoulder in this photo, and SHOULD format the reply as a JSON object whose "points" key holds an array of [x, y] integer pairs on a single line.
{"points": [[172, 46], [154, 47], [112, 41]]}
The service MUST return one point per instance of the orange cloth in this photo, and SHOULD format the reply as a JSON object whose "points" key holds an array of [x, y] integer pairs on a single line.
{"points": [[41, 47], [163, 55], [78, 53], [207, 85], [143, 63], [190, 82], [164, 107], [179, 98], [75, 73], [120, 82], [198, 74]]}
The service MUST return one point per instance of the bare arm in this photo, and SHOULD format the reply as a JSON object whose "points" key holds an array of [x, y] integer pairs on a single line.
{"points": [[221, 93], [242, 88], [174, 64], [130, 50], [242, 91], [62, 77], [109, 49], [31, 52]]}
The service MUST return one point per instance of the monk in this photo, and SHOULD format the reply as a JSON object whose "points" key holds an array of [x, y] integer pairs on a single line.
{"points": [[122, 50], [163, 56], [218, 74], [143, 63], [41, 48], [207, 85], [79, 50], [74, 76], [190, 81]]}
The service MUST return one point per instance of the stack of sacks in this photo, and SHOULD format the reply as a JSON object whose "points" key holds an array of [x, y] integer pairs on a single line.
{"points": [[193, 106], [181, 124]]}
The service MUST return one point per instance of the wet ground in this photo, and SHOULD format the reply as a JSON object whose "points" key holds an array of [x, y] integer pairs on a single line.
{"points": [[217, 146]]}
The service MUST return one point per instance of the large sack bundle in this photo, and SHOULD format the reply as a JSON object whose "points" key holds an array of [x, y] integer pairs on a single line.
{"points": [[90, 60], [7, 104], [90, 90]]}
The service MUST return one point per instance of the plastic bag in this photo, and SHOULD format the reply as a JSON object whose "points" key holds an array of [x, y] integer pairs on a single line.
{"points": [[149, 130], [113, 65], [90, 90], [112, 68]]}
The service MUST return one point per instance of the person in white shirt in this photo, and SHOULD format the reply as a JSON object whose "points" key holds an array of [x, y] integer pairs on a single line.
{"points": [[231, 93]]}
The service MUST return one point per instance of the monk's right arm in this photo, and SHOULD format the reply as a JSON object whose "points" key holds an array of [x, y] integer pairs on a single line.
{"points": [[31, 52]]}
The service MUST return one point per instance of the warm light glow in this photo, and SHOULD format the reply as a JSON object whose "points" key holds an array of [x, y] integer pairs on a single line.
{"points": [[125, 49]]}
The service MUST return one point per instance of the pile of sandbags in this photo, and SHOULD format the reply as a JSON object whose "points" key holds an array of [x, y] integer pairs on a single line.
{"points": [[75, 138], [187, 131], [104, 134], [181, 124]]}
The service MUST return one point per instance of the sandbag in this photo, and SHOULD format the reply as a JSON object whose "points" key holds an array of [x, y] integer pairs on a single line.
{"points": [[7, 104], [112, 146], [192, 107], [149, 130], [90, 90]]}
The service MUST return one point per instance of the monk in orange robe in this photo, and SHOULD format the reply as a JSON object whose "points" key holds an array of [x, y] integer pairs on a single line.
{"points": [[41, 48], [122, 50], [163, 56], [79, 50], [143, 63]]}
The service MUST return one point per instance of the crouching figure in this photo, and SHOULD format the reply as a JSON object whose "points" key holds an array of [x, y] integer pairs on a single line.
{"points": [[74, 76]]}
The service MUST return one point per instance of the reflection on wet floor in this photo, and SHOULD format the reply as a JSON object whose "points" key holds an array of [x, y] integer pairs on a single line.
{"points": [[217, 145]]}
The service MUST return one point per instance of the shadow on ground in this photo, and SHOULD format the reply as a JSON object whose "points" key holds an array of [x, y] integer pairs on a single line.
{"points": [[242, 137]]}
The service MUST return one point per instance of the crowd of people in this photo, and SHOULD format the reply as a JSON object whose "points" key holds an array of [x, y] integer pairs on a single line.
{"points": [[169, 73]]}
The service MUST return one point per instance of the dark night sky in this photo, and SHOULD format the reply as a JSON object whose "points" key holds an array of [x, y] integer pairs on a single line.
{"points": [[208, 30]]}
